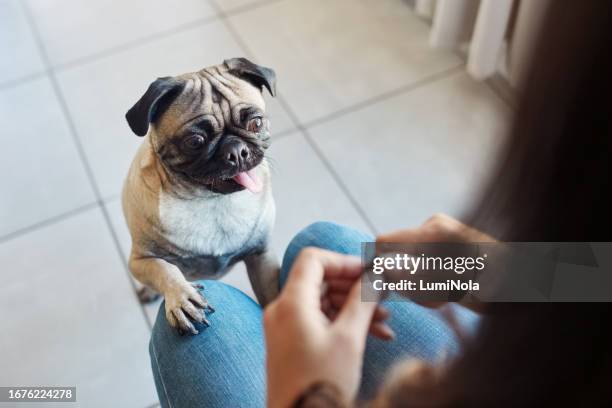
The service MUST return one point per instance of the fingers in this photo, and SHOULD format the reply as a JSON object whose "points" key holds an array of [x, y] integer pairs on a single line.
{"points": [[333, 302], [382, 331], [337, 300], [311, 266], [339, 285], [438, 228], [406, 235], [434, 229], [356, 315], [329, 305]]}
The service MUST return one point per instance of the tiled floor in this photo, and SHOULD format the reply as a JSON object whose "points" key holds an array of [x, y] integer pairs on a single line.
{"points": [[372, 128]]}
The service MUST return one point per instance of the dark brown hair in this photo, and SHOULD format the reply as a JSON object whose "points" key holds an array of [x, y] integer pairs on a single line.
{"points": [[555, 174], [553, 184]]}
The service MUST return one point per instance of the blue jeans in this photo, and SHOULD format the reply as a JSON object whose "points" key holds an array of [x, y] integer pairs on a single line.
{"points": [[224, 365]]}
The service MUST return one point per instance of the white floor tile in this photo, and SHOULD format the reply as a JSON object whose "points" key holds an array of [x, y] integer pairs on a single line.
{"points": [[280, 122], [72, 29], [305, 192], [419, 153], [20, 56], [70, 318], [232, 5], [330, 55], [40, 172], [118, 222], [99, 93]]}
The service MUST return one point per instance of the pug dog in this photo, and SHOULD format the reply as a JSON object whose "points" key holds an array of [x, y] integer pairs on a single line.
{"points": [[198, 197]]}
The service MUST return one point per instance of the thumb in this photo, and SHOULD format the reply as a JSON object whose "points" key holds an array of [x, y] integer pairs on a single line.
{"points": [[356, 315]]}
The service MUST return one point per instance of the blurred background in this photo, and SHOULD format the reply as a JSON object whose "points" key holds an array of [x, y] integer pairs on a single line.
{"points": [[388, 111]]}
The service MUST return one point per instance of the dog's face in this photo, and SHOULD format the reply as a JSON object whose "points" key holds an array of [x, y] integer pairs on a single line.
{"points": [[209, 127]]}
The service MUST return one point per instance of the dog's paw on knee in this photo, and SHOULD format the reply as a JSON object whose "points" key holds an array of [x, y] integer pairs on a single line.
{"points": [[186, 308]]}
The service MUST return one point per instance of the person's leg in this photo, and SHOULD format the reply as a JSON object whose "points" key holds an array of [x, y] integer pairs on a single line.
{"points": [[420, 332], [222, 366], [326, 235]]}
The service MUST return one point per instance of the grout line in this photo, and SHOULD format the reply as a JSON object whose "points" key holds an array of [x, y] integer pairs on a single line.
{"points": [[83, 60], [79, 146], [135, 43], [335, 176], [285, 133], [340, 182], [387, 95], [248, 7], [21, 80], [109, 199], [47, 222]]}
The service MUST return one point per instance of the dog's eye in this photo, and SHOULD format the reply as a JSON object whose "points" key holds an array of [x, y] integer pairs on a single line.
{"points": [[255, 124], [194, 142]]}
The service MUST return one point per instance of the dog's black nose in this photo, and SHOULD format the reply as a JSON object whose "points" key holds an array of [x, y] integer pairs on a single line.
{"points": [[235, 153]]}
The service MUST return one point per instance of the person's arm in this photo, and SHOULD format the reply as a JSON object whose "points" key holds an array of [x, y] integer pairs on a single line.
{"points": [[438, 228], [315, 339]]}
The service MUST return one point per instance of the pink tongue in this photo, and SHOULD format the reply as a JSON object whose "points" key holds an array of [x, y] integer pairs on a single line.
{"points": [[250, 180]]}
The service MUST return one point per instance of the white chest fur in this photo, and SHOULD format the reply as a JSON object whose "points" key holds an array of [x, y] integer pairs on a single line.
{"points": [[215, 224]]}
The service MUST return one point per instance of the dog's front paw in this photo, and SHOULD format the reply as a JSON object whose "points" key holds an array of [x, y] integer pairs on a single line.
{"points": [[185, 305]]}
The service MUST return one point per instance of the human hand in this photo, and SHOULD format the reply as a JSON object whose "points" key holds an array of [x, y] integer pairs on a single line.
{"points": [[438, 228], [316, 329]]}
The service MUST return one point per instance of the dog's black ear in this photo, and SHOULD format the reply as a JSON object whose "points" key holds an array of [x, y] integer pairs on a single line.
{"points": [[253, 73], [152, 104]]}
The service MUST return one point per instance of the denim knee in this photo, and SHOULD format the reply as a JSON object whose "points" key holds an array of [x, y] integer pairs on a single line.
{"points": [[327, 235], [190, 369]]}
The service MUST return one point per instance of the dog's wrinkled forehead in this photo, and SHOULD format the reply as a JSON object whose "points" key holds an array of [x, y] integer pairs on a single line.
{"points": [[220, 94], [214, 94]]}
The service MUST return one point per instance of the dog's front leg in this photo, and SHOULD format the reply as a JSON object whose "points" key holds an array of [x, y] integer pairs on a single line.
{"points": [[183, 300], [263, 270]]}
